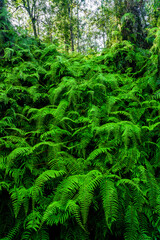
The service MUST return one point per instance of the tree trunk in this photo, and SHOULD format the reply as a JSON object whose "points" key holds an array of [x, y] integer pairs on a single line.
{"points": [[78, 31], [103, 24], [34, 27], [71, 24], [66, 36], [31, 12]]}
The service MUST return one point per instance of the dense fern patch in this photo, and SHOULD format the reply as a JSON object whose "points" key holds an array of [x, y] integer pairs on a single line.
{"points": [[79, 141]]}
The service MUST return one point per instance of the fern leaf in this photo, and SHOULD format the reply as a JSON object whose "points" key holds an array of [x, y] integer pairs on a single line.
{"points": [[86, 193], [54, 213], [131, 223], [110, 201], [97, 152], [73, 208], [12, 233], [18, 195], [46, 143], [44, 177], [33, 220], [144, 236], [68, 188], [21, 151]]}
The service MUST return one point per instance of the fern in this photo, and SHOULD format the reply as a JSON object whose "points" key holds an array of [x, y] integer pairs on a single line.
{"points": [[86, 194], [132, 223], [79, 142], [20, 196], [33, 221], [12, 233], [54, 214], [21, 151], [99, 151], [110, 201], [39, 182]]}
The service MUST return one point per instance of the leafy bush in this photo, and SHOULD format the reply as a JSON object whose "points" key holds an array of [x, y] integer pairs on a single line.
{"points": [[79, 140]]}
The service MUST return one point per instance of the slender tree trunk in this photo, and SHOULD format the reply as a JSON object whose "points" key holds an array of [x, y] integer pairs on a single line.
{"points": [[31, 12], [71, 24], [37, 25], [78, 30], [103, 24], [66, 37], [50, 31], [34, 27]]}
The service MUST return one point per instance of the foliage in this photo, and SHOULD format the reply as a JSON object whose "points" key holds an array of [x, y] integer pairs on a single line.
{"points": [[79, 140]]}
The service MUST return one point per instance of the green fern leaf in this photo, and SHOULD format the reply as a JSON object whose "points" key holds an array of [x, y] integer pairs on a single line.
{"points": [[110, 201], [40, 181], [131, 223]]}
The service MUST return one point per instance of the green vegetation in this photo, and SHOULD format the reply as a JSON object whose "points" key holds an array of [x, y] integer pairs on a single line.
{"points": [[79, 139]]}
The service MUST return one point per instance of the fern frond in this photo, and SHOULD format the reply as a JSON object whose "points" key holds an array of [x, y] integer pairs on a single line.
{"points": [[55, 130], [4, 98], [18, 130], [97, 152], [19, 196], [86, 193], [110, 200], [108, 128], [55, 213], [73, 208], [4, 185], [49, 50], [44, 177], [13, 232], [40, 114], [136, 193], [123, 113], [43, 234], [47, 143], [130, 131], [8, 53], [143, 225], [68, 188], [19, 141], [21, 151], [59, 113], [144, 236], [131, 223], [33, 221]]}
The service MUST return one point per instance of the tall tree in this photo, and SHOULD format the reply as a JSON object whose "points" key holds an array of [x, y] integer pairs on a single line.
{"points": [[70, 15], [31, 8], [131, 15], [34, 9], [78, 26], [4, 26], [65, 21]]}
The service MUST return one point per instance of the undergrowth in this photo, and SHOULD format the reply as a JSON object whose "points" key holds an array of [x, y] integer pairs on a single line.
{"points": [[79, 142]]}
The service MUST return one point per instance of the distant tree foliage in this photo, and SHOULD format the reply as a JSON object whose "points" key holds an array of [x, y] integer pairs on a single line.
{"points": [[80, 27]]}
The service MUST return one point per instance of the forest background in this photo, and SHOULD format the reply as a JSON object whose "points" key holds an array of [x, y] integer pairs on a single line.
{"points": [[79, 120]]}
